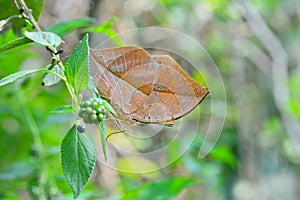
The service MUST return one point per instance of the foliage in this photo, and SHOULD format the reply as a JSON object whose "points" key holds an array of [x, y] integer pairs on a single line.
{"points": [[257, 153], [77, 71], [172, 187], [78, 154], [77, 166]]}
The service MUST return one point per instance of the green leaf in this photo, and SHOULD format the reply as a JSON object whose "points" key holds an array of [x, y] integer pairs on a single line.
{"points": [[223, 154], [65, 28], [106, 27], [44, 38], [62, 110], [8, 9], [77, 69], [78, 156], [15, 58], [15, 76], [15, 43], [159, 190], [51, 79], [102, 127], [111, 33], [7, 37]]}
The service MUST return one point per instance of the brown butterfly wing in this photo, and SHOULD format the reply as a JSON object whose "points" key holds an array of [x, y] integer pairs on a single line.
{"points": [[111, 64], [174, 93], [144, 88], [103, 78]]}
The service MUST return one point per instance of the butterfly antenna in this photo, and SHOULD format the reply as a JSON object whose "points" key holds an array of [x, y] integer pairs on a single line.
{"points": [[117, 132], [114, 133]]}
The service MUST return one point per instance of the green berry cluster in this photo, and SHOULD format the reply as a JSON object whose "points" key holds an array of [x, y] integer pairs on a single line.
{"points": [[92, 111]]}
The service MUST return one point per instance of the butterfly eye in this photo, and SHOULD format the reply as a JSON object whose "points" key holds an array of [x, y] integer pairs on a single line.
{"points": [[158, 87]]}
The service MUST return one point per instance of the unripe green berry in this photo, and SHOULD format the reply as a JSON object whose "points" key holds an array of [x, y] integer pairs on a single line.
{"points": [[89, 110], [94, 104], [103, 108], [99, 110], [88, 102], [100, 117], [92, 110], [93, 118]]}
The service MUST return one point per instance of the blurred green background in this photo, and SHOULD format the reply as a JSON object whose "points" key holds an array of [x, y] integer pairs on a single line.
{"points": [[255, 45]]}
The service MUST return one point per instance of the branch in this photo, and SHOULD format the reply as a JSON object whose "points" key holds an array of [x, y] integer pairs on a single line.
{"points": [[26, 12]]}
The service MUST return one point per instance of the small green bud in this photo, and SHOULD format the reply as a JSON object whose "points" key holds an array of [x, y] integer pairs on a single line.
{"points": [[93, 118], [99, 110], [100, 117], [89, 110], [102, 107], [87, 102], [94, 103]]}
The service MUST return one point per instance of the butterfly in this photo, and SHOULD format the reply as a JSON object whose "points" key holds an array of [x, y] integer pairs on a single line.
{"points": [[144, 88]]}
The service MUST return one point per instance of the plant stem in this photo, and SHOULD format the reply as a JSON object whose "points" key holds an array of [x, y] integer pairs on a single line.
{"points": [[27, 12], [16, 4], [52, 51], [41, 173]]}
